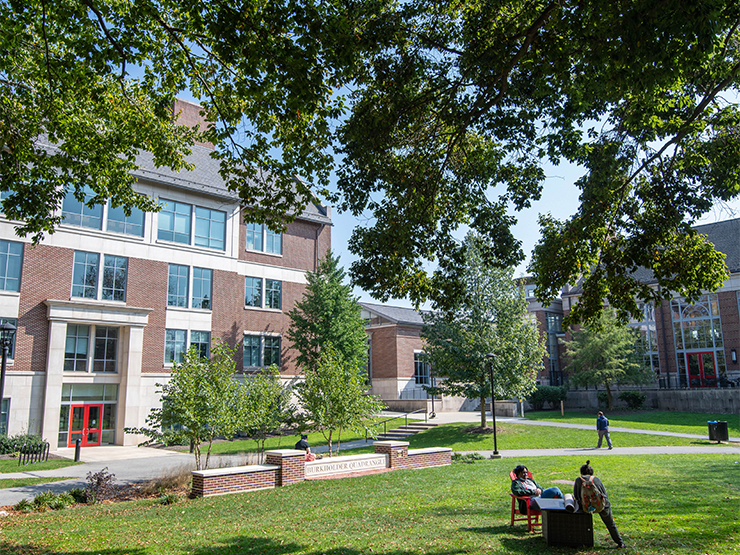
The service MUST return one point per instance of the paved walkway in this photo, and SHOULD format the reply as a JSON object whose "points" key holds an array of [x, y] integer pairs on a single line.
{"points": [[134, 464]]}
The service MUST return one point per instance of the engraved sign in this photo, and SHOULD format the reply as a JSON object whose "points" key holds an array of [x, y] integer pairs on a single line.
{"points": [[346, 465]]}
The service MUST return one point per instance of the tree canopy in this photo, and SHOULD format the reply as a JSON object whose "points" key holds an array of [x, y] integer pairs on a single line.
{"points": [[492, 319], [604, 353], [454, 109]]}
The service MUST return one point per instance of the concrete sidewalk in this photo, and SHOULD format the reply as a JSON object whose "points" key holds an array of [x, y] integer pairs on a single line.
{"points": [[134, 464]]}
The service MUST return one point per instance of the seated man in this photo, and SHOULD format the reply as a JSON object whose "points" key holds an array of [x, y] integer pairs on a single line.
{"points": [[524, 486]]}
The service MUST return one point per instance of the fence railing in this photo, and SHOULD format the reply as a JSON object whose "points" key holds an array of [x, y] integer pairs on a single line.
{"points": [[38, 452], [405, 416]]}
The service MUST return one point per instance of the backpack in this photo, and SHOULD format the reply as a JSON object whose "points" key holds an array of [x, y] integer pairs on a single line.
{"points": [[592, 500]]}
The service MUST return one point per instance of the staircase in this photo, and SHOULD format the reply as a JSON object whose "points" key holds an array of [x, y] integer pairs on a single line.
{"points": [[405, 431]]}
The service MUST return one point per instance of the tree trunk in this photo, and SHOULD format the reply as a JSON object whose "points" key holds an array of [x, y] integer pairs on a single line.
{"points": [[330, 453], [482, 412], [609, 397]]}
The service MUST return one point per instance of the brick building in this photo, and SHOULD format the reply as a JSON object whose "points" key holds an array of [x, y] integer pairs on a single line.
{"points": [[107, 303]]}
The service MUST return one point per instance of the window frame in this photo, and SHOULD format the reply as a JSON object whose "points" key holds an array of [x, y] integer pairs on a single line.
{"points": [[269, 242], [178, 296], [269, 299], [195, 221], [200, 280], [8, 257], [120, 264], [265, 347]]}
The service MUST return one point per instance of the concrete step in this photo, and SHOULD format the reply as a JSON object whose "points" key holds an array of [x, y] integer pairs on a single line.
{"points": [[420, 426]]}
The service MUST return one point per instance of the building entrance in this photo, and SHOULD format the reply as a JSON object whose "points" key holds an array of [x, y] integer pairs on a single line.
{"points": [[702, 370], [85, 424]]}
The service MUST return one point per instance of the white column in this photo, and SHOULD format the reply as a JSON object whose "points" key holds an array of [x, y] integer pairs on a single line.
{"points": [[53, 390], [131, 413]]}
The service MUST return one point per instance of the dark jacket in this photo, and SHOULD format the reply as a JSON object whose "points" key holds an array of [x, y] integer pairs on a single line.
{"points": [[602, 423]]}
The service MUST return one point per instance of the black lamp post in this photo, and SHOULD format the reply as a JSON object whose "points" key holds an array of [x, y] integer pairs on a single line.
{"points": [[7, 331], [489, 358]]}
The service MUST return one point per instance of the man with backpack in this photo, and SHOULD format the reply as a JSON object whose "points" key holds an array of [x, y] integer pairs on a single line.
{"points": [[591, 495]]}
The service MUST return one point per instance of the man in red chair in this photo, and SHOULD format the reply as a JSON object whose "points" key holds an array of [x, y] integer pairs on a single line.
{"points": [[524, 489]]}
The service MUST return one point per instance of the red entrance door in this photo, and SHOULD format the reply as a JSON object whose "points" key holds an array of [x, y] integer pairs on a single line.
{"points": [[702, 371], [84, 424]]}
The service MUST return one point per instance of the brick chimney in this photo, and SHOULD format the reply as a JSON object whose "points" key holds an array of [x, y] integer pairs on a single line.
{"points": [[188, 114]]}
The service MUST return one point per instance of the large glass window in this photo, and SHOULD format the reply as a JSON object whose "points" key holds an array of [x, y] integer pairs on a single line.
{"points": [[202, 280], [85, 275], [11, 262], [4, 411], [76, 347], [647, 338], [421, 370], [106, 349], [75, 394], [174, 346], [210, 228], [261, 351], [253, 292], [273, 296], [262, 238], [119, 222], [114, 278], [75, 212], [202, 341], [177, 285], [174, 222]]}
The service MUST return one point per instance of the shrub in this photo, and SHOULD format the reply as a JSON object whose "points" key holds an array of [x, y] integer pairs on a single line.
{"points": [[175, 479], [468, 458], [100, 486], [24, 506], [13, 444], [634, 399], [603, 399], [169, 498], [78, 494], [547, 394], [61, 501]]}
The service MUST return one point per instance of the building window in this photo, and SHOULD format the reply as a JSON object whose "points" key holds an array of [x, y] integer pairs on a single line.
{"points": [[253, 292], [11, 348], [202, 341], [421, 370], [119, 222], [259, 236], [273, 294], [85, 275], [261, 351], [75, 212], [177, 285], [202, 280], [114, 278], [554, 329], [174, 346], [11, 262], [175, 220], [210, 228], [76, 346], [106, 349], [4, 411]]}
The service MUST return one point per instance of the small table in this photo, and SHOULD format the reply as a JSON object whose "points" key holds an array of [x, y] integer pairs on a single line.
{"points": [[560, 527]]}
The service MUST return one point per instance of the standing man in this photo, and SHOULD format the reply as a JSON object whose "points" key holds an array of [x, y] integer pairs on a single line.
{"points": [[602, 426]]}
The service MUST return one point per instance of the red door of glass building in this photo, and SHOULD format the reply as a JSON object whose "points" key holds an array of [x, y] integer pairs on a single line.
{"points": [[702, 371], [85, 425]]}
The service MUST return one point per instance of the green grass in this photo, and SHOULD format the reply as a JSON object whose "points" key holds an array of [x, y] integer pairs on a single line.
{"points": [[315, 439], [667, 421], [684, 504], [21, 482], [11, 465]]}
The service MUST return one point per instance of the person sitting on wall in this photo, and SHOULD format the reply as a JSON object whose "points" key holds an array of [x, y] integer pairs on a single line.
{"points": [[524, 486], [302, 444]]}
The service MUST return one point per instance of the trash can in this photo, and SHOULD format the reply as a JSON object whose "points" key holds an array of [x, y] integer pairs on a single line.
{"points": [[718, 430]]}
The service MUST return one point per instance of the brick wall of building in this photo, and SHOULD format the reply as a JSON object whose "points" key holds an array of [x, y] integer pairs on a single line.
{"points": [[384, 352]]}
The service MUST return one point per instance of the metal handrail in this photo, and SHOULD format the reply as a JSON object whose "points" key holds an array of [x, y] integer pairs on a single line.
{"points": [[406, 420]]}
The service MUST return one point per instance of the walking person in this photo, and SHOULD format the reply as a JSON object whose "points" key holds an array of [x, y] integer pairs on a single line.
{"points": [[591, 494], [602, 427]]}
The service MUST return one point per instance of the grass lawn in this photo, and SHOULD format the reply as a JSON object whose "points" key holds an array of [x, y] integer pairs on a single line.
{"points": [[11, 465], [667, 421], [315, 439], [681, 504], [523, 436], [20, 482]]}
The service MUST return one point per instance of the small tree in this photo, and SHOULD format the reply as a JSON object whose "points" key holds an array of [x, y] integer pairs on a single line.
{"points": [[199, 403], [605, 354], [491, 319], [334, 397], [265, 403], [328, 313]]}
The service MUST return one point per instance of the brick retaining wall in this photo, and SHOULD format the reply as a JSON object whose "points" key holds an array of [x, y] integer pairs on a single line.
{"points": [[287, 466]]}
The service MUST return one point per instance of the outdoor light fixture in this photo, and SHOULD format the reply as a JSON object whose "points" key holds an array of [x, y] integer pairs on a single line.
{"points": [[489, 358], [7, 331], [733, 356]]}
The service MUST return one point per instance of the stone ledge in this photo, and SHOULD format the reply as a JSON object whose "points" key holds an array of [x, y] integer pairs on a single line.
{"points": [[227, 471], [427, 450]]}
